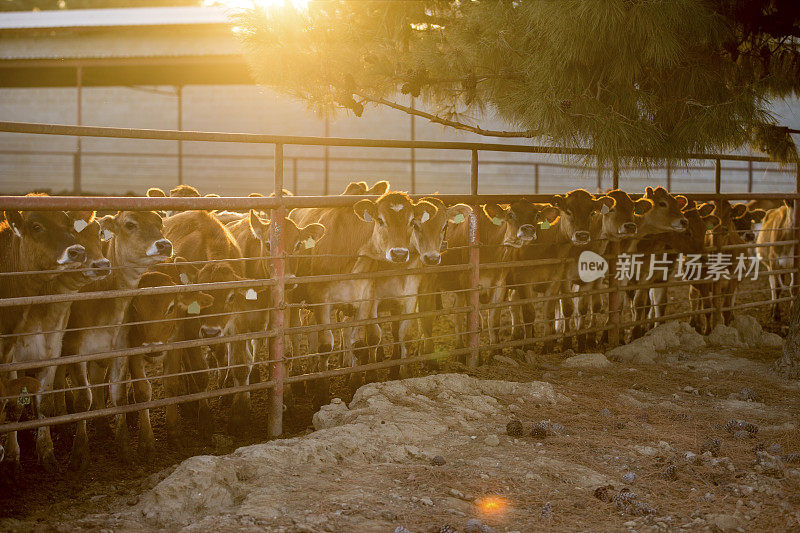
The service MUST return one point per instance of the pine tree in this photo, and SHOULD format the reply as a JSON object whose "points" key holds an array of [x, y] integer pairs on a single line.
{"points": [[634, 81]]}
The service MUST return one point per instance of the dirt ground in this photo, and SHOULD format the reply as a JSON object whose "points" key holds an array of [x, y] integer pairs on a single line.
{"points": [[624, 419]]}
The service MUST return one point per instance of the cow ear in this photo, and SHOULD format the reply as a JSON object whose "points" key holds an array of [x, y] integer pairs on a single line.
{"points": [[258, 227], [458, 213], [605, 201], [31, 386], [738, 211], [648, 192], [255, 195], [705, 209], [86, 216], [550, 213], [313, 231], [355, 188], [366, 210], [379, 189], [711, 221], [108, 223], [424, 211], [155, 192], [494, 211], [757, 215], [557, 201], [642, 206], [681, 199], [205, 300], [14, 218]]}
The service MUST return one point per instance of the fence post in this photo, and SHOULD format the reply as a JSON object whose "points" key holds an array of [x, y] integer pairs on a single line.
{"points": [[795, 256], [716, 293], [536, 178], [76, 173], [750, 176], [474, 261], [669, 176], [278, 304], [294, 176]]}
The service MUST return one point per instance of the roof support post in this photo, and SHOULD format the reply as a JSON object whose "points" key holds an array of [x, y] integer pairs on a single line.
{"points": [[279, 308], [77, 189]]}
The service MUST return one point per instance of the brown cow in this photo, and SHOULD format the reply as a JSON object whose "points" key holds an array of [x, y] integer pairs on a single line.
{"points": [[358, 240], [21, 388], [778, 225], [96, 326], [155, 319]]}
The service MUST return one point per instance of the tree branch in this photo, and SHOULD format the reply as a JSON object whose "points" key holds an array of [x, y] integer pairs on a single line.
{"points": [[450, 123]]}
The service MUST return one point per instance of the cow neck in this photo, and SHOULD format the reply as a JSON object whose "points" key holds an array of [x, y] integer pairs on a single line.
{"points": [[599, 238], [124, 275], [490, 233]]}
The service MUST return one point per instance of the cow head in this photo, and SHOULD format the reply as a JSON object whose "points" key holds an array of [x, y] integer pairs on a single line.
{"points": [[619, 221], [392, 218], [154, 316], [89, 235], [47, 240], [138, 237], [575, 209], [184, 191], [298, 242], [355, 188], [738, 219], [429, 230], [243, 301], [699, 221], [521, 218], [667, 211]]}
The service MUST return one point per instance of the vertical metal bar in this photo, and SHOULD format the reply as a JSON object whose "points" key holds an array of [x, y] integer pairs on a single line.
{"points": [[474, 261], [599, 177], [326, 186], [179, 94], [614, 297], [615, 175], [295, 188], [669, 176], [413, 153], [716, 289], [536, 178], [277, 247], [796, 254], [77, 188], [749, 176]]}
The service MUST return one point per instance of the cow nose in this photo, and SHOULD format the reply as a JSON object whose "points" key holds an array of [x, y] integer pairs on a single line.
{"points": [[681, 224], [101, 267], [210, 331], [582, 236], [74, 254], [527, 231], [398, 255], [629, 228], [432, 259], [164, 247]]}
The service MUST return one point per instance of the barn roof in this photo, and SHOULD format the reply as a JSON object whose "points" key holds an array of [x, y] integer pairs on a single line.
{"points": [[127, 46]]}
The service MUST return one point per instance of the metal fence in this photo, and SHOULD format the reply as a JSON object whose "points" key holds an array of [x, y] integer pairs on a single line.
{"points": [[445, 341]]}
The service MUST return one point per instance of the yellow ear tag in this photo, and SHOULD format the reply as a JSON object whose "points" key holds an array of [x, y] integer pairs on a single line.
{"points": [[497, 221], [24, 400], [193, 309], [309, 243], [545, 224], [184, 278], [250, 295], [709, 225], [458, 219]]}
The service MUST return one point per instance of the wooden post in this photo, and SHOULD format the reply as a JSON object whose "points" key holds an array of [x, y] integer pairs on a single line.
{"points": [[796, 249], [749, 176], [413, 153], [615, 175], [179, 94], [614, 297], [277, 246], [599, 177], [326, 185], [716, 289], [474, 260], [295, 187], [77, 187], [536, 178], [669, 176]]}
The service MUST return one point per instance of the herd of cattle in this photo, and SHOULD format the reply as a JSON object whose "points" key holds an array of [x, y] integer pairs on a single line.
{"points": [[67, 253]]}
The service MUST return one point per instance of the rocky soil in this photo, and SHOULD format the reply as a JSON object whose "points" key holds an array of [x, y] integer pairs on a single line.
{"points": [[676, 432]]}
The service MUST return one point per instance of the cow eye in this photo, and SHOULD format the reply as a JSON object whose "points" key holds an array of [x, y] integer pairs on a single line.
{"points": [[381, 221], [662, 203], [511, 215], [37, 228], [130, 226]]}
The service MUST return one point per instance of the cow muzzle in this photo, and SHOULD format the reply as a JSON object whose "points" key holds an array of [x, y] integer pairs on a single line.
{"points": [[397, 255], [432, 259], [526, 233], [208, 332], [73, 257], [680, 225], [749, 236], [628, 229], [160, 248], [98, 269], [581, 237]]}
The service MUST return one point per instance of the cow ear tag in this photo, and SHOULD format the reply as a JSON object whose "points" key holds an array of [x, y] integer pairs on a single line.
{"points": [[107, 235], [604, 209], [497, 221], [193, 309], [79, 225], [309, 243], [709, 225], [24, 400], [545, 224], [458, 219], [184, 278], [250, 295]]}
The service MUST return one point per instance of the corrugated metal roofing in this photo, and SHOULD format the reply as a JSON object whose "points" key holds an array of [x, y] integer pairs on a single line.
{"points": [[98, 18]]}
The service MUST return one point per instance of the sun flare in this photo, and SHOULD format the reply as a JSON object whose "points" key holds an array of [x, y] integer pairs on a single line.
{"points": [[244, 4]]}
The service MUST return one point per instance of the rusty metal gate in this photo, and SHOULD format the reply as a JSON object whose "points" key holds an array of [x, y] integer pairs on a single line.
{"points": [[279, 331]]}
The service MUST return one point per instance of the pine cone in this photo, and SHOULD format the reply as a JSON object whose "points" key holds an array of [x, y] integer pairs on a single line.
{"points": [[641, 508], [539, 429], [547, 511], [515, 429], [791, 458], [670, 473], [732, 426], [711, 445], [447, 528], [625, 495]]}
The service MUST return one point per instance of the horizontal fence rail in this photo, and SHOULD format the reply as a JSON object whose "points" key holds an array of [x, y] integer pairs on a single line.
{"points": [[277, 327]]}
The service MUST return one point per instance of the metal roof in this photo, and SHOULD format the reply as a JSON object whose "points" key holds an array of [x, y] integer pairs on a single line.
{"points": [[100, 18]]}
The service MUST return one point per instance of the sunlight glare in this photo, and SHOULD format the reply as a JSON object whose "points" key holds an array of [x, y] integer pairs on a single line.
{"points": [[244, 4]]}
